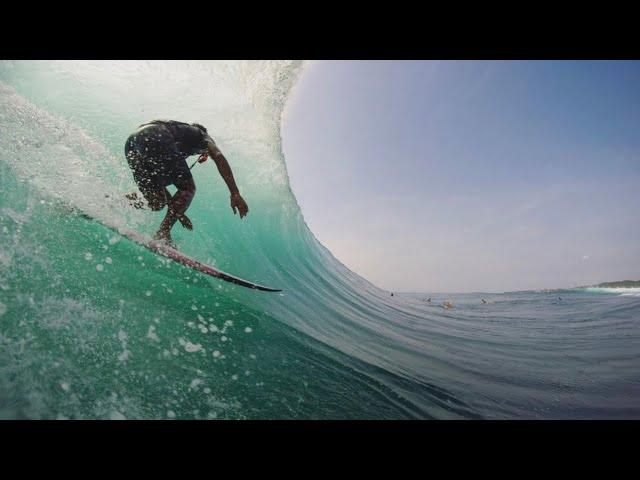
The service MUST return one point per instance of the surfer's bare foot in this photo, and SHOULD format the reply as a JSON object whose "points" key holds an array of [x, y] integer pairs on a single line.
{"points": [[165, 237], [134, 200], [185, 222], [167, 243]]}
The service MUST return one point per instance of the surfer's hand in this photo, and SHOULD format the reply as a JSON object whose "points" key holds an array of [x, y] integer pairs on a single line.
{"points": [[203, 158], [237, 202]]}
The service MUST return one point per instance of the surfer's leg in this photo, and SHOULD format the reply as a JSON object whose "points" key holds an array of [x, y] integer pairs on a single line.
{"points": [[178, 204], [156, 198], [145, 151], [183, 219]]}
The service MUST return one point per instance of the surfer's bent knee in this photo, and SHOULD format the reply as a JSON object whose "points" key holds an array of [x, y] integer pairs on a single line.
{"points": [[187, 187]]}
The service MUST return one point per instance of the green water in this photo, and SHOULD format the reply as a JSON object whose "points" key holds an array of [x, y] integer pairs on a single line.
{"points": [[95, 326]]}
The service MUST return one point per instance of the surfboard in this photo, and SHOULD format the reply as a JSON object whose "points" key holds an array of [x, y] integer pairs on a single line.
{"points": [[166, 251]]}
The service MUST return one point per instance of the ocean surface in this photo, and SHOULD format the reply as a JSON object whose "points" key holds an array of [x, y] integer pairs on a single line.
{"points": [[95, 326]]}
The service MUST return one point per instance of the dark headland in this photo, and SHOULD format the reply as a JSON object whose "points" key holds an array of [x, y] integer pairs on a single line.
{"points": [[618, 284]]}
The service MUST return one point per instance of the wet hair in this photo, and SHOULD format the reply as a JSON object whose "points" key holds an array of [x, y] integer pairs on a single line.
{"points": [[197, 125]]}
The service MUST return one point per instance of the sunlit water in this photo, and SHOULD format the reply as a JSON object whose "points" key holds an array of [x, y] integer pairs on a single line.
{"points": [[94, 326]]}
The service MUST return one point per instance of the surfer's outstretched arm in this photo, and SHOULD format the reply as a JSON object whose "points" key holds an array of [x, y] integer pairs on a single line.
{"points": [[237, 202]]}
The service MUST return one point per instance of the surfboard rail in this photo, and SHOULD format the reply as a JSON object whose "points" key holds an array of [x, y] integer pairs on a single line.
{"points": [[166, 251]]}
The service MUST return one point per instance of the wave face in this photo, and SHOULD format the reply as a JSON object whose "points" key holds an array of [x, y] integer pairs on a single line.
{"points": [[94, 326]]}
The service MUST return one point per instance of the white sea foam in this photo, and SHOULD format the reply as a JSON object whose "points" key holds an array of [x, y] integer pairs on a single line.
{"points": [[635, 292]]}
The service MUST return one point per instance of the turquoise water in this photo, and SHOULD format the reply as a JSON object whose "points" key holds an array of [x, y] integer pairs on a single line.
{"points": [[94, 326]]}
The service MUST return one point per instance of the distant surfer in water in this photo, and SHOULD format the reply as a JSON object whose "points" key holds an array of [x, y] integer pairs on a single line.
{"points": [[157, 153]]}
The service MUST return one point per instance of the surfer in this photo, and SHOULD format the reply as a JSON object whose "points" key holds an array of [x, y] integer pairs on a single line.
{"points": [[156, 153]]}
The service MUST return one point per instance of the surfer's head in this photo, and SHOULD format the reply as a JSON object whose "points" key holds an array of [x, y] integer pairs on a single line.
{"points": [[197, 125]]}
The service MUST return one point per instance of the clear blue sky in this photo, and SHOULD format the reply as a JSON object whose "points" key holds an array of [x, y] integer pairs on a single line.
{"points": [[470, 176]]}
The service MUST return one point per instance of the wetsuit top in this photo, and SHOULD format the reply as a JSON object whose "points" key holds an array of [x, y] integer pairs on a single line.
{"points": [[190, 139]]}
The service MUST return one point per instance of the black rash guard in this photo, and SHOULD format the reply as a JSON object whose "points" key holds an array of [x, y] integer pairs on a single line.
{"points": [[157, 152], [190, 139]]}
